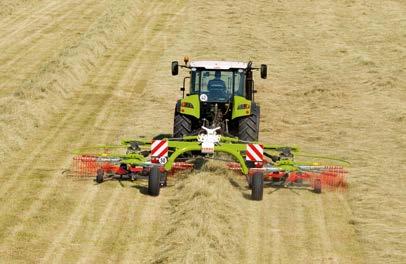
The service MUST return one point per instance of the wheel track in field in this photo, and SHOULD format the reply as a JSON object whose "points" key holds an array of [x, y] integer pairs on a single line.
{"points": [[290, 229], [298, 222], [328, 251], [269, 244], [277, 247], [252, 232], [68, 118]]}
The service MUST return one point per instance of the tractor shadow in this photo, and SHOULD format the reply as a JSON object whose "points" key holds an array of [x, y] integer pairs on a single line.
{"points": [[236, 184], [269, 190], [141, 188], [139, 185], [242, 188]]}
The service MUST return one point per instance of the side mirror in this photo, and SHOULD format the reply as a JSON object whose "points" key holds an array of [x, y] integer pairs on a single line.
{"points": [[264, 71], [175, 68]]}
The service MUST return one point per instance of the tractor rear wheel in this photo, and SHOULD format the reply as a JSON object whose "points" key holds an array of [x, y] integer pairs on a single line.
{"points": [[182, 126], [154, 181], [257, 183], [248, 126]]}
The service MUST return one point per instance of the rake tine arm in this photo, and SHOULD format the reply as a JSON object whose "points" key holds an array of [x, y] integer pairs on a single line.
{"points": [[280, 148], [274, 158], [138, 141]]}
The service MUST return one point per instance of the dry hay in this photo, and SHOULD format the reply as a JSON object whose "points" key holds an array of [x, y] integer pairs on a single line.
{"points": [[8, 7], [337, 87], [30, 105], [202, 220]]}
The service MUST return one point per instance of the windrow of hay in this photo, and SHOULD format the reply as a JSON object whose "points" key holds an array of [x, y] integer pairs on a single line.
{"points": [[202, 221], [31, 104], [8, 7]]}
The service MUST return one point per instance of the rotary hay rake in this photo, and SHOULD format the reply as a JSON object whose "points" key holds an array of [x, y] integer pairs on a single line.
{"points": [[261, 164]]}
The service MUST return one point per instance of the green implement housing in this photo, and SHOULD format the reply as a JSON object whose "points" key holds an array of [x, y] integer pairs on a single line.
{"points": [[189, 144]]}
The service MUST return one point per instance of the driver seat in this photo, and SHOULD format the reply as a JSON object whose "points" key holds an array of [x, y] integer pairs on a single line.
{"points": [[216, 84]]}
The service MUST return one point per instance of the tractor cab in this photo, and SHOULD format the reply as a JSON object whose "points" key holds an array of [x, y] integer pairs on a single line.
{"points": [[221, 94], [215, 84]]}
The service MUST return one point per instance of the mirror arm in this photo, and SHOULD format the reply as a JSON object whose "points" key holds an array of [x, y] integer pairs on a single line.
{"points": [[184, 84], [253, 90]]}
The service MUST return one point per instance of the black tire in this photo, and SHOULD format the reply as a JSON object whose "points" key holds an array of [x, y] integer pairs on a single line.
{"points": [[250, 183], [182, 126], [100, 176], [317, 186], [257, 183], [164, 180], [198, 164], [154, 181], [248, 126]]}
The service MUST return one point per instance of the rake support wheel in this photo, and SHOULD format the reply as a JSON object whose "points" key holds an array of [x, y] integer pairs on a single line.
{"points": [[99, 176], [154, 181], [257, 183], [317, 186]]}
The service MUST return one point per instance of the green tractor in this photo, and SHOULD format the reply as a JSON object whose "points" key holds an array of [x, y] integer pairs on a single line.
{"points": [[221, 95]]}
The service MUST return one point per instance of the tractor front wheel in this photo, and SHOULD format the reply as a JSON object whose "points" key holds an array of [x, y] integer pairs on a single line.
{"points": [[154, 181], [257, 183]]}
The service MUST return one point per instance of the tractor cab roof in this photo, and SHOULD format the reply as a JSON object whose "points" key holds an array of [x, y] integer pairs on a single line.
{"points": [[218, 65]]}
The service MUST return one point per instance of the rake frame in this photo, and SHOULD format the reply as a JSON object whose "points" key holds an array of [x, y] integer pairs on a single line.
{"points": [[278, 167]]}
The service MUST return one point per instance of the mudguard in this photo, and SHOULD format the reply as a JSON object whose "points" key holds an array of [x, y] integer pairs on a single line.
{"points": [[241, 107], [190, 105]]}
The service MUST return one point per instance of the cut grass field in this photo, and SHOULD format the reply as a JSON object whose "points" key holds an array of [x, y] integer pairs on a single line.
{"points": [[76, 73]]}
